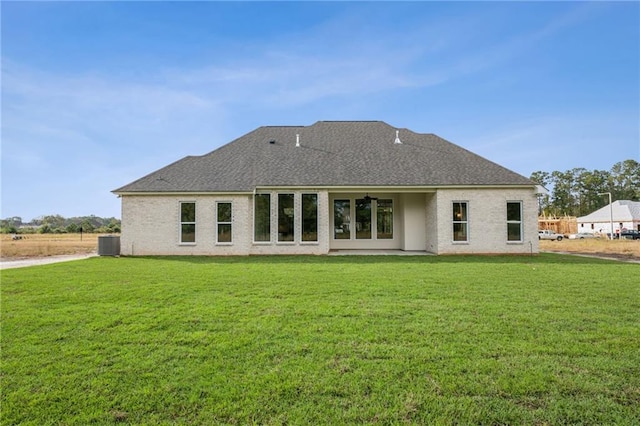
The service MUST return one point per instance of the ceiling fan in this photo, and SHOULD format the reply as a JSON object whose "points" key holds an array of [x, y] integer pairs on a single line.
{"points": [[368, 198]]}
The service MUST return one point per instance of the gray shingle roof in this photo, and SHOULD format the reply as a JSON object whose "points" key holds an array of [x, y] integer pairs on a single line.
{"points": [[623, 211], [331, 153]]}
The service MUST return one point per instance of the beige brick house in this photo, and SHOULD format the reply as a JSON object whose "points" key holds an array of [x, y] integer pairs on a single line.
{"points": [[350, 185]]}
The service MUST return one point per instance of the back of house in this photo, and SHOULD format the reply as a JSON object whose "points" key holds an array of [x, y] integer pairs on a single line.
{"points": [[352, 185]]}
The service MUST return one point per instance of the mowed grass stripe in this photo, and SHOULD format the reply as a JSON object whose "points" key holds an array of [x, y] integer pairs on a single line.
{"points": [[324, 340]]}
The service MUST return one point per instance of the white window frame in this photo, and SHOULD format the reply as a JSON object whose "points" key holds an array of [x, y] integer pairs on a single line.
{"points": [[353, 218], [277, 218], [270, 219], [374, 233], [466, 222], [350, 219], [218, 223], [316, 241], [194, 223], [519, 222]]}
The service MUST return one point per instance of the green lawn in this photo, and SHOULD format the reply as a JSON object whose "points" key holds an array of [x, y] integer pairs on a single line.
{"points": [[550, 339]]}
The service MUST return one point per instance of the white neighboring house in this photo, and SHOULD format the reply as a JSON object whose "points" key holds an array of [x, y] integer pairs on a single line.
{"points": [[626, 215], [334, 185]]}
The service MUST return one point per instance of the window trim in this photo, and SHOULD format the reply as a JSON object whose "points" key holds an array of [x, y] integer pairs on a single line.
{"points": [[520, 222], [262, 242], [465, 222], [377, 222], [293, 219], [352, 199], [349, 219], [302, 241], [372, 224], [218, 223], [181, 224]]}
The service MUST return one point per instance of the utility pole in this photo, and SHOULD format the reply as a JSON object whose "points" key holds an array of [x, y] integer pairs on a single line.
{"points": [[610, 211]]}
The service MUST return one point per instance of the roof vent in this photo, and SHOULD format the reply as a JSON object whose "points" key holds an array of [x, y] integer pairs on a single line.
{"points": [[397, 141], [297, 141], [272, 141]]}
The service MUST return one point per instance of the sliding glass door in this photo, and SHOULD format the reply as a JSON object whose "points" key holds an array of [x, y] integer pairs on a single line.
{"points": [[373, 219]]}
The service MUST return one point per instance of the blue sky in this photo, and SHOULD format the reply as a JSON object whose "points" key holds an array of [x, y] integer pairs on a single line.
{"points": [[98, 94]]}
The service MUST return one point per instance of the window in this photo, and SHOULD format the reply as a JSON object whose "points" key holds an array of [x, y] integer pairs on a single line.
{"points": [[262, 218], [309, 217], [363, 219], [223, 216], [187, 223], [341, 219], [385, 219], [285, 217], [372, 219], [514, 221], [460, 222]]}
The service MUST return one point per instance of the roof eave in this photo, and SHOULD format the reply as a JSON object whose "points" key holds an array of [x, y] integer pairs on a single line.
{"points": [[172, 193], [340, 188]]}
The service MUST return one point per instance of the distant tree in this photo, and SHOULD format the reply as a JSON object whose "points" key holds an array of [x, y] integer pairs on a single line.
{"points": [[114, 226], [576, 192], [562, 200], [8, 229], [53, 221], [10, 225], [59, 224], [591, 184], [87, 225], [625, 177], [544, 179], [45, 229]]}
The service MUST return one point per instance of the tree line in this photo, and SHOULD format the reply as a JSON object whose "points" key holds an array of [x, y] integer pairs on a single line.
{"points": [[578, 192], [56, 224]]}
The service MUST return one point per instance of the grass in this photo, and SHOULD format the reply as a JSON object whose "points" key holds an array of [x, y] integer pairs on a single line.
{"points": [[42, 245], [550, 339]]}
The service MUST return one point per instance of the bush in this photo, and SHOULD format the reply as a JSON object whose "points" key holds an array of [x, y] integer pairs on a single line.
{"points": [[8, 230]]}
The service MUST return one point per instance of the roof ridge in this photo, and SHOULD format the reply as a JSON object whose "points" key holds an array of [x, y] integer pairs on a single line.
{"points": [[285, 125]]}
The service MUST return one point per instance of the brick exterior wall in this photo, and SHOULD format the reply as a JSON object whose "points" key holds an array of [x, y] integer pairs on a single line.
{"points": [[487, 221], [151, 224]]}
